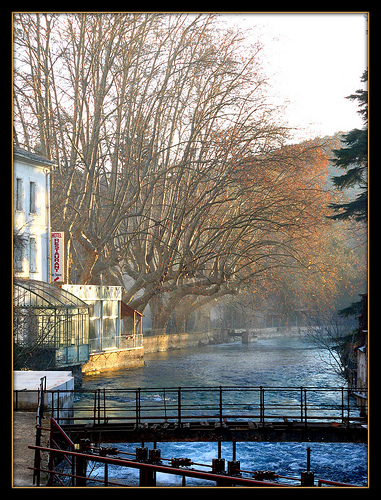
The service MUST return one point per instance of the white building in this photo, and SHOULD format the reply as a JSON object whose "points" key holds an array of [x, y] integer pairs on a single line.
{"points": [[31, 216]]}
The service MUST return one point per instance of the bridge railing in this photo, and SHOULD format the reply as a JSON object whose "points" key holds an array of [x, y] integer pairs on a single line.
{"points": [[216, 404], [69, 467]]}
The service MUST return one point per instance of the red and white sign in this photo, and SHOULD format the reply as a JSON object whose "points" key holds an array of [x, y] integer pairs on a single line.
{"points": [[57, 257]]}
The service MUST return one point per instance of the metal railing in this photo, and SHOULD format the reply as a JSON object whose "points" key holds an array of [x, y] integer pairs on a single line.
{"points": [[126, 341], [216, 404], [150, 470], [70, 467]]}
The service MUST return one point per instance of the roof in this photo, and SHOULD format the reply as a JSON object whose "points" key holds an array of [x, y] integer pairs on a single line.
{"points": [[43, 294], [32, 158]]}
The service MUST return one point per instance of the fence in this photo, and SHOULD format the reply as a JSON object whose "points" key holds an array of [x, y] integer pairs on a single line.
{"points": [[179, 405], [218, 404]]}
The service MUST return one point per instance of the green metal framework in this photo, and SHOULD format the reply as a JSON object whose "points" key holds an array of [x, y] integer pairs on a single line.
{"points": [[52, 322]]}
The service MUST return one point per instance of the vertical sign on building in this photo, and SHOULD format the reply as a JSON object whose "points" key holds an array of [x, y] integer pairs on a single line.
{"points": [[57, 256]]}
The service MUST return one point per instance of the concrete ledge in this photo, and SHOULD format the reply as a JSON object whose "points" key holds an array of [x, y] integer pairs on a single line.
{"points": [[27, 384], [25, 392]]}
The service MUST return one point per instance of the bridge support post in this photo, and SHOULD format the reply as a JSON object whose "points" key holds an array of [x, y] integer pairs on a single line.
{"points": [[234, 467], [147, 477], [218, 465], [81, 463], [308, 476], [141, 454]]}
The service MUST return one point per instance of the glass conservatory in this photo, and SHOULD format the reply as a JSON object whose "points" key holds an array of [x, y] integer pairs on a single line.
{"points": [[50, 326], [113, 324], [104, 307]]}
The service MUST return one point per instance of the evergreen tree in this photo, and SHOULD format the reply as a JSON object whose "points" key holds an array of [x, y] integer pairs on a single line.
{"points": [[353, 157]]}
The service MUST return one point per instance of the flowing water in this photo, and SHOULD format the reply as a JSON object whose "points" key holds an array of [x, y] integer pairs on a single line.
{"points": [[291, 361]]}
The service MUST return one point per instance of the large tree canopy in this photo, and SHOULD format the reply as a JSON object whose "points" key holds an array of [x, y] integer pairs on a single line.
{"points": [[176, 177]]}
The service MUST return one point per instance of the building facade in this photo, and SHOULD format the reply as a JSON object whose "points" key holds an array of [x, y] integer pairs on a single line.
{"points": [[56, 324], [115, 332], [31, 215]]}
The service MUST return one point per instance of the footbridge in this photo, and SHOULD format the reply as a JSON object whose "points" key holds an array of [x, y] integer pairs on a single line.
{"points": [[220, 413]]}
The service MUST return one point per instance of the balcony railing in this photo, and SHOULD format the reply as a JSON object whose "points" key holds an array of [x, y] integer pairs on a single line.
{"points": [[126, 341]]}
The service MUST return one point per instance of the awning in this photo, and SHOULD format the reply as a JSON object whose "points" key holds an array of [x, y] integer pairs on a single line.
{"points": [[126, 310]]}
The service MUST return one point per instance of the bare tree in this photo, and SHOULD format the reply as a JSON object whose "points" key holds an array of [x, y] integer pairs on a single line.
{"points": [[171, 163], [335, 336], [246, 224], [76, 80]]}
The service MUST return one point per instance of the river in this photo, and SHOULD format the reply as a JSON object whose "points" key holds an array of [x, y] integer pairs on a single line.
{"points": [[280, 361]]}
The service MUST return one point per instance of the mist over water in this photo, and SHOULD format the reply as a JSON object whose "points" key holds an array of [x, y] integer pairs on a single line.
{"points": [[282, 361]]}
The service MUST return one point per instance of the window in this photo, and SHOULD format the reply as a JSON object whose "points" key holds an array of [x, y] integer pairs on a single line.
{"points": [[95, 328], [19, 194], [18, 258], [32, 197], [33, 255]]}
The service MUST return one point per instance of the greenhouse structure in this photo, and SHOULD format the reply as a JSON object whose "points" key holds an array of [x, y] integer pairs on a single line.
{"points": [[50, 326], [113, 324]]}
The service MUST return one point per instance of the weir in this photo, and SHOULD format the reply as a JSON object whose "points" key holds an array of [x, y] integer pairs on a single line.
{"points": [[205, 431]]}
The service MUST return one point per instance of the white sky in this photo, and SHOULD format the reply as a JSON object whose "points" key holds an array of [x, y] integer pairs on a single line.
{"points": [[314, 61]]}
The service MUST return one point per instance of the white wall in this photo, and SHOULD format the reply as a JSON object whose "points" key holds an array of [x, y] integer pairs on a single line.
{"points": [[362, 367], [32, 225]]}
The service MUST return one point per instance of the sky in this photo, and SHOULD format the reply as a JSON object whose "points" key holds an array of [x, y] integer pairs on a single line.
{"points": [[313, 62]]}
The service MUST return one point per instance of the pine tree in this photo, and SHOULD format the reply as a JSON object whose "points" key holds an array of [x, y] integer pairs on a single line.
{"points": [[353, 157]]}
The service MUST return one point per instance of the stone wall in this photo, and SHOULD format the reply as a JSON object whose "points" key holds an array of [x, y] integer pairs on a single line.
{"points": [[157, 343], [114, 360]]}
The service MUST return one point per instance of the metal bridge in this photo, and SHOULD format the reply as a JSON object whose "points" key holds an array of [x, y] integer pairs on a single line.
{"points": [[187, 414], [210, 414]]}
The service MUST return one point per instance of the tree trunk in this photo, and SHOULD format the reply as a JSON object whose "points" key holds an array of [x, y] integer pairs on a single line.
{"points": [[91, 258], [178, 321], [90, 261], [159, 315]]}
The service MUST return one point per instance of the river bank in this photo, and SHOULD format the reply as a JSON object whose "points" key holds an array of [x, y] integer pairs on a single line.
{"points": [[168, 342]]}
